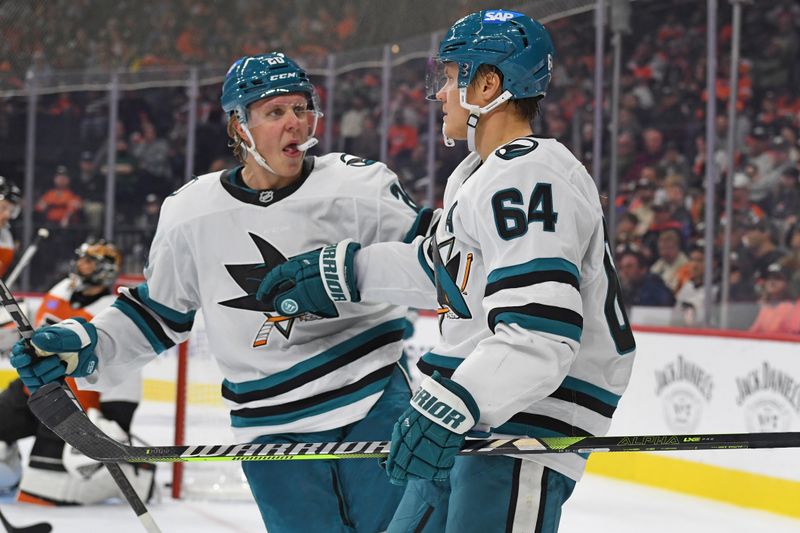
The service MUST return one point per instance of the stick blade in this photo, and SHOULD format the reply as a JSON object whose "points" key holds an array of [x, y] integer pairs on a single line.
{"points": [[54, 406], [41, 527]]}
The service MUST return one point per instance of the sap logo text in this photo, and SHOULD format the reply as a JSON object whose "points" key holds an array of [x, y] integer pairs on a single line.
{"points": [[431, 404], [499, 16], [283, 76]]}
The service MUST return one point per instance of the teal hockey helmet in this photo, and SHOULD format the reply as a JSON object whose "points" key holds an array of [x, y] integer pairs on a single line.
{"points": [[252, 78], [516, 44]]}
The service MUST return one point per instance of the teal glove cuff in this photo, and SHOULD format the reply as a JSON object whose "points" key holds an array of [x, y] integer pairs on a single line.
{"points": [[313, 282], [429, 435], [63, 349], [336, 265], [446, 403]]}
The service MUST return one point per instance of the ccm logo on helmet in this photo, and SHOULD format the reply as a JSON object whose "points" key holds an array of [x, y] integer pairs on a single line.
{"points": [[431, 404], [499, 16], [283, 76]]}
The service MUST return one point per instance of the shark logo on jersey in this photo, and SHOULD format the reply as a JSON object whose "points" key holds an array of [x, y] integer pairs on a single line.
{"points": [[449, 294], [248, 277], [516, 148]]}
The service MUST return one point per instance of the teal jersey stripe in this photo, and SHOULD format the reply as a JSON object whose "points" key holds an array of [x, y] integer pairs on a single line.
{"points": [[545, 325], [146, 330], [535, 265], [425, 214], [424, 264], [444, 361], [163, 310], [589, 389], [335, 403], [318, 360]]}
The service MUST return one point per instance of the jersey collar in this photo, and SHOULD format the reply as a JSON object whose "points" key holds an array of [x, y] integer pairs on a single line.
{"points": [[233, 182]]}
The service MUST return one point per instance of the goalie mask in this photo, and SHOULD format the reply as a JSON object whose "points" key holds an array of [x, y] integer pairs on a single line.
{"points": [[11, 194], [518, 46], [97, 265], [254, 78]]}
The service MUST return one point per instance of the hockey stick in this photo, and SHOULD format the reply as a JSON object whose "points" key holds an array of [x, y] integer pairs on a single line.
{"points": [[26, 332], [41, 527], [27, 255], [53, 406]]}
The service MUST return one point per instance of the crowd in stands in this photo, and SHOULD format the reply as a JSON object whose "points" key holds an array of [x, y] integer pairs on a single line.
{"points": [[660, 230], [84, 34]]}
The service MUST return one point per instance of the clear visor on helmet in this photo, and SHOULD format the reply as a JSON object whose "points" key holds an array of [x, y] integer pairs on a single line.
{"points": [[280, 109], [439, 74]]}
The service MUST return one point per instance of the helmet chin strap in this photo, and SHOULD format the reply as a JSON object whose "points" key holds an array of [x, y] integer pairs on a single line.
{"points": [[251, 149], [447, 140], [475, 113]]}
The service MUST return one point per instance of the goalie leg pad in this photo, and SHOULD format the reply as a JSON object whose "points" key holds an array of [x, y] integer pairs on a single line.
{"points": [[62, 488], [10, 466]]}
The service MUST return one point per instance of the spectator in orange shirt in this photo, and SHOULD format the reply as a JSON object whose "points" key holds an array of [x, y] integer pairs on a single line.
{"points": [[402, 139], [777, 312], [59, 204]]}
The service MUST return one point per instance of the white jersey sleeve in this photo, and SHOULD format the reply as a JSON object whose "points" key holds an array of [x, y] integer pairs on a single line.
{"points": [[397, 273], [398, 218], [397, 269], [148, 319]]}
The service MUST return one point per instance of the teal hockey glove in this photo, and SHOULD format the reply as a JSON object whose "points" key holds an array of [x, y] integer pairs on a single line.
{"points": [[73, 341], [312, 282], [427, 437]]}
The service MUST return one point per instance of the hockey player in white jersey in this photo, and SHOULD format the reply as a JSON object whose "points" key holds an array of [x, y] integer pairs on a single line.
{"points": [[534, 338], [330, 376]]}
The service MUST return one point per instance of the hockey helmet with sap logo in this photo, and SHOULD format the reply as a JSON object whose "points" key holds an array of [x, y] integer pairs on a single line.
{"points": [[518, 46], [107, 263], [12, 194]]}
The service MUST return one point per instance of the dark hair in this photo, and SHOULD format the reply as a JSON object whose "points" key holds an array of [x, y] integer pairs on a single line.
{"points": [[639, 256], [630, 217], [673, 231], [696, 248], [527, 108]]}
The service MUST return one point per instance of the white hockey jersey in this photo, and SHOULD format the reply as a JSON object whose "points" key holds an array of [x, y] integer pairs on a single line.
{"points": [[216, 239], [527, 295]]}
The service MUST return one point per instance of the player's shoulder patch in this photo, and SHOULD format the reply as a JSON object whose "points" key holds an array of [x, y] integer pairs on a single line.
{"points": [[517, 148], [355, 161]]}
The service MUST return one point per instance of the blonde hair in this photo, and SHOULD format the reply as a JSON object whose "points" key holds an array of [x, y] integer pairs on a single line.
{"points": [[236, 143]]}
